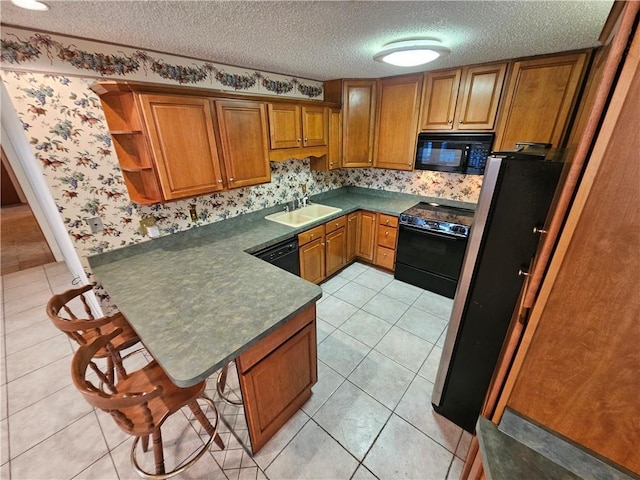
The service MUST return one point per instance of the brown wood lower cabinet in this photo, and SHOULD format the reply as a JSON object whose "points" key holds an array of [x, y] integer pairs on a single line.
{"points": [[276, 376], [312, 254], [387, 239], [366, 242], [352, 236], [336, 245]]}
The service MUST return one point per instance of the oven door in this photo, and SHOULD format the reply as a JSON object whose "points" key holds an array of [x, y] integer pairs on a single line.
{"points": [[429, 260]]}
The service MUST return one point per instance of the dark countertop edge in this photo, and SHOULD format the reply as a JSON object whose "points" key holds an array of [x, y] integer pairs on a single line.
{"points": [[190, 381], [505, 458], [560, 449], [227, 224]]}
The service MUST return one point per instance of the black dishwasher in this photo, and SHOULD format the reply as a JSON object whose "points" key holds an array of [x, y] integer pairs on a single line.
{"points": [[283, 255]]}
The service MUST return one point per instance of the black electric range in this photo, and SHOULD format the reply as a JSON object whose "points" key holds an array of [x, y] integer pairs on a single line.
{"points": [[431, 245]]}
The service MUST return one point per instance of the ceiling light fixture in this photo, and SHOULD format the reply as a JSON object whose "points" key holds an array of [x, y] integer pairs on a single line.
{"points": [[31, 5], [409, 53]]}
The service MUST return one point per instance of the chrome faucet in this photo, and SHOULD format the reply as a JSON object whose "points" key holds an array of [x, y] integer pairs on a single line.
{"points": [[305, 198]]}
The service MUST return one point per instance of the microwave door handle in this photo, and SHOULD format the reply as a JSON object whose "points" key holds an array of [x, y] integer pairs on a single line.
{"points": [[464, 161]]}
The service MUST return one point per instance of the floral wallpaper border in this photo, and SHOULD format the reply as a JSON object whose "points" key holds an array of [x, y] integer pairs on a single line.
{"points": [[65, 55]]}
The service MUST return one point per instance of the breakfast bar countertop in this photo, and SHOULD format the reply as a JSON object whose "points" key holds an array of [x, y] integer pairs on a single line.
{"points": [[197, 299]]}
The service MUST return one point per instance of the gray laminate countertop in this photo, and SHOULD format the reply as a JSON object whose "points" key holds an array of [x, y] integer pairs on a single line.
{"points": [[520, 449], [197, 299]]}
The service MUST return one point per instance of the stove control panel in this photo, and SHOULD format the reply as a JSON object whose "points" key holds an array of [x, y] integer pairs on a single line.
{"points": [[435, 226]]}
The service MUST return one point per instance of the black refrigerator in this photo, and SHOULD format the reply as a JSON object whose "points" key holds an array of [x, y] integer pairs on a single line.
{"points": [[516, 194]]}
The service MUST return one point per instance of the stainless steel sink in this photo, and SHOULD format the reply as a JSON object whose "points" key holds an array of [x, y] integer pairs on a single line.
{"points": [[304, 215]]}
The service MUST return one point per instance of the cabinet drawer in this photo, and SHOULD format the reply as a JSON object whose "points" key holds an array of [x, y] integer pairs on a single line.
{"points": [[310, 235], [387, 237], [334, 225], [388, 220], [385, 257]]}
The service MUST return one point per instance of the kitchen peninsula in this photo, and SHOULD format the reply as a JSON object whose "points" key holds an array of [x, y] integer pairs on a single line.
{"points": [[199, 299]]}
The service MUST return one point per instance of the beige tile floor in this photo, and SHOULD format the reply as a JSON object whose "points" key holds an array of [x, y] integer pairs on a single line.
{"points": [[379, 343]]}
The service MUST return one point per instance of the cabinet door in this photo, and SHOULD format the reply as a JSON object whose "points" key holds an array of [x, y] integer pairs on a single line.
{"points": [[243, 138], [315, 126], [352, 235], [480, 96], [276, 376], [439, 100], [539, 100], [397, 122], [335, 139], [312, 261], [336, 246], [366, 235], [285, 129], [358, 110], [183, 144]]}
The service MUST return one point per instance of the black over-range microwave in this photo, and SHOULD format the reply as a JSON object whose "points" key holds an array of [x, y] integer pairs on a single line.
{"points": [[453, 152]]}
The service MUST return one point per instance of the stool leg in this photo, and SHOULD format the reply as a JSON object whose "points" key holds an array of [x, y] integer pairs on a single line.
{"points": [[204, 421], [223, 378], [145, 443], [158, 454]]}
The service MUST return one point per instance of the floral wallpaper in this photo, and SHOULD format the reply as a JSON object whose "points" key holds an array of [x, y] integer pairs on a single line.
{"points": [[463, 188], [72, 56]]}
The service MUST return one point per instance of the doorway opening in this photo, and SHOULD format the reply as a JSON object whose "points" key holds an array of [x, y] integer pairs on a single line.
{"points": [[22, 243]]}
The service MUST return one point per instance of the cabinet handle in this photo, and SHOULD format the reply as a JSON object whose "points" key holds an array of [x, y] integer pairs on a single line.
{"points": [[460, 121], [232, 179], [384, 254], [523, 273], [219, 180], [450, 121], [311, 235], [306, 139], [370, 161], [387, 221], [322, 244], [539, 230], [299, 140]]}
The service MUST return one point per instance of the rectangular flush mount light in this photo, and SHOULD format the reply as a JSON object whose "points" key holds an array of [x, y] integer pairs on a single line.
{"points": [[410, 53]]}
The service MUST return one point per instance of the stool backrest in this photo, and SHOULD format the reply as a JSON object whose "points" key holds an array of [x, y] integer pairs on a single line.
{"points": [[69, 311], [129, 409]]}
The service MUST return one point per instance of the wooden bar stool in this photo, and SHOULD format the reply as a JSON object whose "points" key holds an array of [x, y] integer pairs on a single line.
{"points": [[70, 313], [141, 402]]}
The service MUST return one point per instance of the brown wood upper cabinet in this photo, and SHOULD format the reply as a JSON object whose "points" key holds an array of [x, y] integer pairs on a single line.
{"points": [[186, 165], [358, 99], [243, 141], [397, 122], [333, 159], [539, 100], [174, 146], [297, 131], [463, 98]]}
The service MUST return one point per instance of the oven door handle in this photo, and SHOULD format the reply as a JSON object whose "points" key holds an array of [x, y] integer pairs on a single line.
{"points": [[432, 233]]}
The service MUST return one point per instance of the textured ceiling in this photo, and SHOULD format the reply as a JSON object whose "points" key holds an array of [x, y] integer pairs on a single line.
{"points": [[324, 40]]}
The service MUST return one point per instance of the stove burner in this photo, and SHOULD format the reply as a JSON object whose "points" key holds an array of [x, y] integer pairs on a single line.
{"points": [[438, 218]]}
